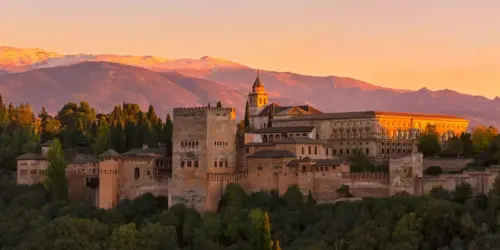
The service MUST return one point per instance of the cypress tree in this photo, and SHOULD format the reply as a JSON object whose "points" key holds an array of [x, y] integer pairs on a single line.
{"points": [[267, 233], [168, 129], [119, 138], [56, 182], [270, 116], [247, 116], [103, 140], [277, 245]]}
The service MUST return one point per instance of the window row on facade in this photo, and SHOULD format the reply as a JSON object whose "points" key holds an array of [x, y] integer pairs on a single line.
{"points": [[220, 143], [220, 164], [349, 151], [309, 150], [189, 144], [189, 164], [32, 171]]}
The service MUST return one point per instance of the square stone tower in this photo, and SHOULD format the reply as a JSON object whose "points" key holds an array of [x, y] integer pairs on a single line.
{"points": [[204, 141]]}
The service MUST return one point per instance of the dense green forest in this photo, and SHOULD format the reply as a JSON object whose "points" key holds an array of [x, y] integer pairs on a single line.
{"points": [[79, 127], [31, 219]]}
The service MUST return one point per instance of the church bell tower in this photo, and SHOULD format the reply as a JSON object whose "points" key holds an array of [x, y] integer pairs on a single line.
{"points": [[257, 98]]}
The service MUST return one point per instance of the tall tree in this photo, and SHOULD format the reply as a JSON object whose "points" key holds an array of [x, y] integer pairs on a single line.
{"points": [[247, 116], [267, 233], [482, 137], [103, 140], [468, 146], [168, 131], [119, 138], [428, 142], [56, 182], [219, 104], [270, 116]]}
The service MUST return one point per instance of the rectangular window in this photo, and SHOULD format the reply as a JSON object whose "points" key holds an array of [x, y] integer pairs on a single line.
{"points": [[302, 150], [189, 164], [247, 150], [148, 172], [309, 149], [315, 150], [220, 164], [182, 164], [215, 164], [225, 164], [326, 152], [195, 164]]}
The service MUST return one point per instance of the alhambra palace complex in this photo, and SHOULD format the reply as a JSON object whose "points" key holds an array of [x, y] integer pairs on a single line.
{"points": [[293, 145]]}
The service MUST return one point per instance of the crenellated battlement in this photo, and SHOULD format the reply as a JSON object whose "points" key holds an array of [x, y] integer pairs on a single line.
{"points": [[368, 176], [227, 177], [194, 111]]}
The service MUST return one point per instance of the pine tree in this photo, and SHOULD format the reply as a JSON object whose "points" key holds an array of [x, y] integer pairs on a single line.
{"points": [[56, 182], [103, 140], [247, 116]]}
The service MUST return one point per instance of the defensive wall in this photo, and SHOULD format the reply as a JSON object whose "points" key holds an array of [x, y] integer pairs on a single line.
{"points": [[323, 186], [480, 181]]}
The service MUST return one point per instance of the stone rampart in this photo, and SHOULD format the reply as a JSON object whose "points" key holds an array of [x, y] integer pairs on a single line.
{"points": [[480, 181], [447, 164], [376, 177], [194, 111]]}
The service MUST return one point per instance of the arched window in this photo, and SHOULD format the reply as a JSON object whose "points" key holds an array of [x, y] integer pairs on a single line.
{"points": [[137, 173]]}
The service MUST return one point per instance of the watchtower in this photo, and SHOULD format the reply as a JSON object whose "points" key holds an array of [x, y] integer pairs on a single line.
{"points": [[204, 141], [109, 169]]}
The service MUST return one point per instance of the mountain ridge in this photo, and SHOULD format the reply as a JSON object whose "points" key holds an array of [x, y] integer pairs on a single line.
{"points": [[209, 79]]}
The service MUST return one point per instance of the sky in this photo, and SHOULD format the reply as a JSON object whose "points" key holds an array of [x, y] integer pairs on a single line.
{"points": [[404, 44]]}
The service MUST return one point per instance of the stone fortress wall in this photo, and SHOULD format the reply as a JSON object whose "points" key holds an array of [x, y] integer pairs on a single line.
{"points": [[204, 142]]}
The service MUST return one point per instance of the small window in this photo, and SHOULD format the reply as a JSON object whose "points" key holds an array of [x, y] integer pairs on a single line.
{"points": [[247, 150], [148, 172], [195, 164], [189, 164], [215, 164], [182, 164], [315, 150], [225, 164], [308, 149], [220, 164], [302, 150], [137, 173], [326, 152]]}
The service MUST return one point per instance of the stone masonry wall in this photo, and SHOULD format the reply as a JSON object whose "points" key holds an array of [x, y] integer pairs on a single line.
{"points": [[206, 138]]}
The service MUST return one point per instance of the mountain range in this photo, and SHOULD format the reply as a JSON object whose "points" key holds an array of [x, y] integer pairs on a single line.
{"points": [[50, 79]]}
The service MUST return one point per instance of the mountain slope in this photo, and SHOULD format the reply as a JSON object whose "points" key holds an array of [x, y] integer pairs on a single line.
{"points": [[104, 85], [191, 82]]}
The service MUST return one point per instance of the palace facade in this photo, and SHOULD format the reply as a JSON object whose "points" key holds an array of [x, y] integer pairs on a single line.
{"points": [[286, 145]]}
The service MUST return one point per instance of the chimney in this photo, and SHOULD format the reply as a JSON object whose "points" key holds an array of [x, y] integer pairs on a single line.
{"points": [[144, 146]]}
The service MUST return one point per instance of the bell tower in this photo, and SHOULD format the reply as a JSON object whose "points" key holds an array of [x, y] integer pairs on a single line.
{"points": [[257, 98]]}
